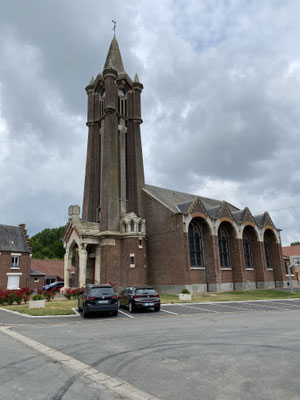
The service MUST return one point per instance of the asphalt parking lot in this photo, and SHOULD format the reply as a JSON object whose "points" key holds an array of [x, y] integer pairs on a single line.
{"points": [[208, 351], [215, 308], [167, 310], [219, 351]]}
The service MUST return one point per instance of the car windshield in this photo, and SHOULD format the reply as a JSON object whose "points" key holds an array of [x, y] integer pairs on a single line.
{"points": [[102, 291], [145, 291]]}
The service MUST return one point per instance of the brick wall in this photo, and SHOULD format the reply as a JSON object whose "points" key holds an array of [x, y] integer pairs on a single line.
{"points": [[36, 285], [167, 253], [5, 267]]}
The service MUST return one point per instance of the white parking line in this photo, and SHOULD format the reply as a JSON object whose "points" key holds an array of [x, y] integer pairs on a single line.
{"points": [[127, 315], [170, 312], [237, 308], [268, 306], [116, 385], [198, 308], [290, 305]]}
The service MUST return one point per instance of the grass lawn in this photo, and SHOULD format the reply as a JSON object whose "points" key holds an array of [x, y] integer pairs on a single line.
{"points": [[55, 307], [232, 296]]}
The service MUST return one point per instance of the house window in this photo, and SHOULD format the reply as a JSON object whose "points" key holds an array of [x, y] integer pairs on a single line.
{"points": [[267, 252], [196, 245], [247, 250], [140, 243], [15, 262], [36, 280], [13, 281], [223, 248]]}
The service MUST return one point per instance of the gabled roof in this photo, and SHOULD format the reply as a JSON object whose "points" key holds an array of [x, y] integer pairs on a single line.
{"points": [[179, 202], [12, 239], [33, 272], [50, 267], [291, 250]]}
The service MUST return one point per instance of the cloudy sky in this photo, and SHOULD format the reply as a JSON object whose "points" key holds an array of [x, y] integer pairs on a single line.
{"points": [[221, 101]]}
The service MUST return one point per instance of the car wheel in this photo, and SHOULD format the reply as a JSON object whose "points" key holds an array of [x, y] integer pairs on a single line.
{"points": [[130, 307], [157, 308], [114, 313], [84, 312]]}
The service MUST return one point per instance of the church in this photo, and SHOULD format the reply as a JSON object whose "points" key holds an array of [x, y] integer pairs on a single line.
{"points": [[131, 233]]}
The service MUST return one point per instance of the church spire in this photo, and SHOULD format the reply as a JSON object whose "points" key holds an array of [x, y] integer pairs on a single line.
{"points": [[114, 59]]}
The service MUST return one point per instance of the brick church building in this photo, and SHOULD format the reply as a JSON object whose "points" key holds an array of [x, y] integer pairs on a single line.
{"points": [[133, 233]]}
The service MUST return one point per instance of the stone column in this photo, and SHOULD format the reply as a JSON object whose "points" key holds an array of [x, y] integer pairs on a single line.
{"points": [[82, 265], [67, 268], [98, 264]]}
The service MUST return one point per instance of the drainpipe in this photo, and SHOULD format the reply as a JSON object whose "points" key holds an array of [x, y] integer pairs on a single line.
{"points": [[290, 274]]}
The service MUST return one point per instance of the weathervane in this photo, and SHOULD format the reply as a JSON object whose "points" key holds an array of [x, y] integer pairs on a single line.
{"points": [[114, 28]]}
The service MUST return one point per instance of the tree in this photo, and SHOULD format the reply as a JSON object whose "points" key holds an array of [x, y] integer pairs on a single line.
{"points": [[295, 243], [47, 244]]}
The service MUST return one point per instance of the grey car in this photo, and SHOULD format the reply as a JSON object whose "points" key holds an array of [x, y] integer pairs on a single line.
{"points": [[98, 298]]}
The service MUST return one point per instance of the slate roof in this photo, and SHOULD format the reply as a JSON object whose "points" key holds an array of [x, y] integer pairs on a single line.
{"points": [[33, 272], [178, 201], [258, 219], [114, 59], [54, 268], [213, 212], [184, 206], [12, 239], [237, 215]]}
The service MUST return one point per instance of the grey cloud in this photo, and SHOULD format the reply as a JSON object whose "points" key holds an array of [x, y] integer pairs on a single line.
{"points": [[220, 100]]}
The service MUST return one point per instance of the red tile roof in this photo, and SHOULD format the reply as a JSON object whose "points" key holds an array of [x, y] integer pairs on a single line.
{"points": [[291, 250], [50, 267]]}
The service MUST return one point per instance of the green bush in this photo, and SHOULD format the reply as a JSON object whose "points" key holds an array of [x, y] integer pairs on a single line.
{"points": [[37, 297], [185, 291]]}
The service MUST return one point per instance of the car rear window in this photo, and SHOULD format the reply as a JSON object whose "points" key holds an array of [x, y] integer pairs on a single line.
{"points": [[145, 291], [102, 291]]}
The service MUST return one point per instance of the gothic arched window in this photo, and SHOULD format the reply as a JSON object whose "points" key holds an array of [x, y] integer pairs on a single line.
{"points": [[267, 252], [196, 245], [101, 103], [223, 247], [132, 225], [140, 226], [247, 250], [122, 102]]}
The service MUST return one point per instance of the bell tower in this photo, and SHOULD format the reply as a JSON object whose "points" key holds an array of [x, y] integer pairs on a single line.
{"points": [[114, 176]]}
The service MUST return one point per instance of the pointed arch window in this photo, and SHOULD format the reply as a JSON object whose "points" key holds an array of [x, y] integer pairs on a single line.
{"points": [[132, 224], [223, 247], [247, 250], [101, 103], [267, 252], [122, 102], [196, 246], [140, 227]]}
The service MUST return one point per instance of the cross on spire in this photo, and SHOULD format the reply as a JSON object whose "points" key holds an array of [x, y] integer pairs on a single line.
{"points": [[114, 28]]}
